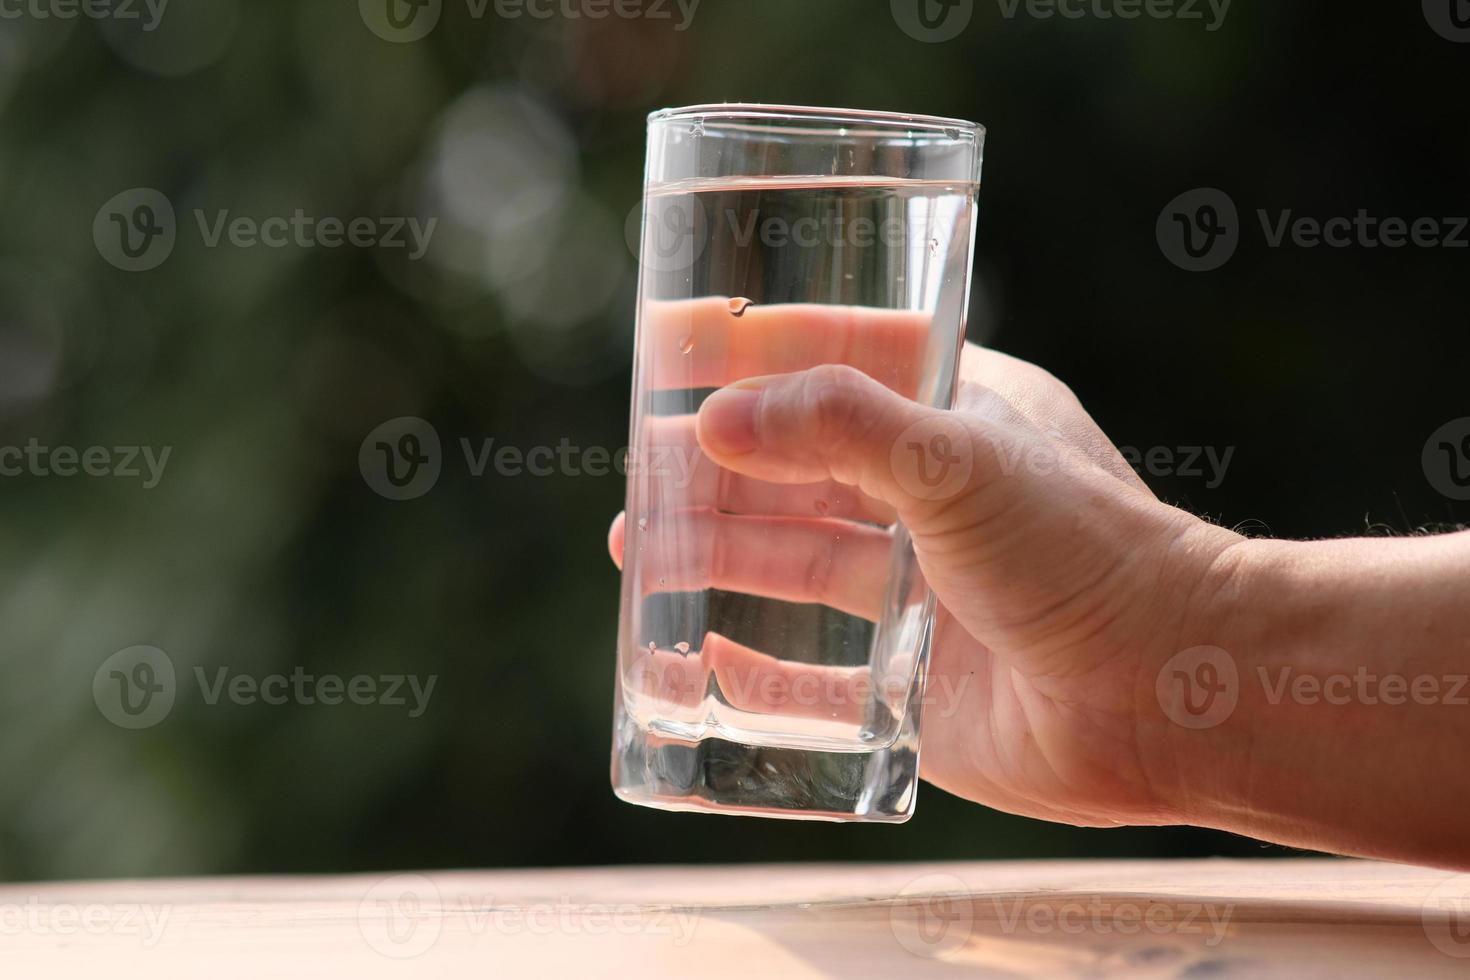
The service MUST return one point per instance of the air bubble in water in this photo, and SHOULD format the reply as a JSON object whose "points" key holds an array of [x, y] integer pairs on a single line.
{"points": [[739, 305], [933, 246], [823, 507], [682, 647], [652, 648], [686, 344], [643, 524]]}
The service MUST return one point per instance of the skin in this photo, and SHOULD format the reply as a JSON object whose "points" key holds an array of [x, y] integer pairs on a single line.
{"points": [[1067, 590]]}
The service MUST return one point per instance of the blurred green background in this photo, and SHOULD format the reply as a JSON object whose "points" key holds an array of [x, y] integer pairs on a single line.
{"points": [[262, 549]]}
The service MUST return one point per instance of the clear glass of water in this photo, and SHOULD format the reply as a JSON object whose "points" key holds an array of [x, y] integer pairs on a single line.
{"points": [[774, 638]]}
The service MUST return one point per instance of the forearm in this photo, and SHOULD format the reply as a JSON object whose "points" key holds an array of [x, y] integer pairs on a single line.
{"points": [[1352, 727]]}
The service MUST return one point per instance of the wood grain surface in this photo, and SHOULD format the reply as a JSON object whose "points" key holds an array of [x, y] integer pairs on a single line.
{"points": [[1219, 918]]}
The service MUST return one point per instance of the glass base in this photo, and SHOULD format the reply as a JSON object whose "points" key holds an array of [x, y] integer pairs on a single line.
{"points": [[718, 776]]}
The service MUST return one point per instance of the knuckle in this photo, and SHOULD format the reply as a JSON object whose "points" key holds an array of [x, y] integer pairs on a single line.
{"points": [[1052, 385], [835, 401]]}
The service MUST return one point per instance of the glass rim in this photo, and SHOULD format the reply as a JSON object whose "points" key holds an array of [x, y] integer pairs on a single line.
{"points": [[941, 126]]}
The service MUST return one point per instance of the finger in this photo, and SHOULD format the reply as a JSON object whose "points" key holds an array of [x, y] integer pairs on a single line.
{"points": [[749, 681], [828, 562], [833, 422], [705, 343], [682, 476], [615, 537]]}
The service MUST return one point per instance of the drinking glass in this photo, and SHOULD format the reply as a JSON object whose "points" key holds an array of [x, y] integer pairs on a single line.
{"points": [[774, 638]]}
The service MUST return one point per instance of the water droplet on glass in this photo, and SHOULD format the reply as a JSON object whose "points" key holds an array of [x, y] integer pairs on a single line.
{"points": [[643, 524], [661, 582], [686, 344], [682, 647], [739, 305], [652, 647], [823, 507], [933, 246]]}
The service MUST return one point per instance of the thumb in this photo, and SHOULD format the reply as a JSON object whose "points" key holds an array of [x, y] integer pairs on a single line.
{"points": [[834, 422]]}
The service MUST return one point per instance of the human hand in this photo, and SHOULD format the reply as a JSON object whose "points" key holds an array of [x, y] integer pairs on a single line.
{"points": [[1063, 583]]}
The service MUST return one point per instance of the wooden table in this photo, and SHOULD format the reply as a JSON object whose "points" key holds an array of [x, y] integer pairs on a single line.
{"points": [[1286, 918]]}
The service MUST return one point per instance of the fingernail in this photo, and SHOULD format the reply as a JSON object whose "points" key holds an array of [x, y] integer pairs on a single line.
{"points": [[727, 421]]}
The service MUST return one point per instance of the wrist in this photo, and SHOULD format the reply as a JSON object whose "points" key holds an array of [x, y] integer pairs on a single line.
{"points": [[1310, 696], [1192, 715]]}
